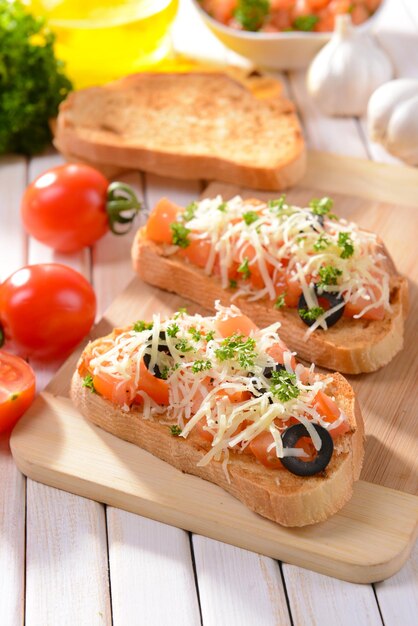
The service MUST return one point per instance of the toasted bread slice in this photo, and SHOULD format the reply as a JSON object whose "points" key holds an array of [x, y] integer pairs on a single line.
{"points": [[352, 346], [278, 495], [187, 125]]}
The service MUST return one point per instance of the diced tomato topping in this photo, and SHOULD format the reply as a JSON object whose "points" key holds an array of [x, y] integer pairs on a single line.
{"points": [[354, 308], [235, 396], [197, 252], [330, 412], [200, 430], [291, 289], [277, 351], [259, 445], [240, 324], [158, 225]]}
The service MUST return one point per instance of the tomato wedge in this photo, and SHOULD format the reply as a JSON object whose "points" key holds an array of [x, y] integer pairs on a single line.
{"points": [[17, 389], [158, 225]]}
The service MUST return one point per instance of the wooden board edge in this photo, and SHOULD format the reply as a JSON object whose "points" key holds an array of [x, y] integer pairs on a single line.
{"points": [[367, 572], [359, 177]]}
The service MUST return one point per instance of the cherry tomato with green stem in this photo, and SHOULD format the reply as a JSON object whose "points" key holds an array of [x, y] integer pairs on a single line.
{"points": [[45, 311], [73, 205]]}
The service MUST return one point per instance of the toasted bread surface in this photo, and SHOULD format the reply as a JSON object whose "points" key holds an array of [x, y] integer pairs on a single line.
{"points": [[352, 346], [187, 125], [278, 495]]}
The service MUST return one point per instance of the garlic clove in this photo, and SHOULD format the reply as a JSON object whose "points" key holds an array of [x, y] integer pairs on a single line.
{"points": [[402, 127], [346, 71], [384, 101]]}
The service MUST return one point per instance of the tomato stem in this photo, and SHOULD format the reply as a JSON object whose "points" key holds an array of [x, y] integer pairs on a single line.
{"points": [[122, 206]]}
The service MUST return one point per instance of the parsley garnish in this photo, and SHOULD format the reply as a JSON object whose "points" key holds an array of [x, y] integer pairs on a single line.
{"points": [[210, 335], [180, 235], [164, 373], [250, 217], [189, 211], [251, 13], [180, 312], [322, 206], [197, 335], [175, 430], [305, 22], [201, 365], [88, 382], [237, 348], [183, 345], [172, 330], [222, 207], [244, 269], [278, 204], [140, 325], [280, 301], [329, 275], [322, 243], [233, 284], [345, 242], [283, 385], [310, 315]]}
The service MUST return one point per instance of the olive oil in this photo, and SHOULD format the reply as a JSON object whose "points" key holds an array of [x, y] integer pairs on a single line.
{"points": [[101, 40]]}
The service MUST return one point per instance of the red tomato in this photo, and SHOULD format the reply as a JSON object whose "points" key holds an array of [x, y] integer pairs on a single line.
{"points": [[197, 252], [158, 225], [259, 445], [46, 310], [17, 389], [240, 324], [65, 207], [328, 409]]}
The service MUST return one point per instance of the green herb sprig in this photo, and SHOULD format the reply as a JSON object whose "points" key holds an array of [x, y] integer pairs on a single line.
{"points": [[244, 269], [238, 348], [180, 234], [311, 315], [283, 385], [328, 275], [251, 13], [346, 244], [88, 382]]}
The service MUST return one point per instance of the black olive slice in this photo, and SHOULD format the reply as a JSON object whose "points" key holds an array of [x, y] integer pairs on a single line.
{"points": [[268, 371], [296, 464], [332, 298], [161, 348], [320, 219]]}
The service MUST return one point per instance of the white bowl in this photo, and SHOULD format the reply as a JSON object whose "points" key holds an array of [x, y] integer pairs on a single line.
{"points": [[279, 51]]}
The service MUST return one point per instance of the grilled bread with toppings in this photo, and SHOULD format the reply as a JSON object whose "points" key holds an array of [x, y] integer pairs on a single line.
{"points": [[222, 399], [332, 285]]}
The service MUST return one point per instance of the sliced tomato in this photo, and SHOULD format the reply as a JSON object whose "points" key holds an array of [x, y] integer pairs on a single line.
{"points": [[197, 252], [158, 225], [330, 412], [239, 324], [259, 445], [17, 389]]}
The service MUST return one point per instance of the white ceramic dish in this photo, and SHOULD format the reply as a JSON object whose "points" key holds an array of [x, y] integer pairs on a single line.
{"points": [[279, 51]]}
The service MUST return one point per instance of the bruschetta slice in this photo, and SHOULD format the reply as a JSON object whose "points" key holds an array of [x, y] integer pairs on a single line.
{"points": [[220, 398], [332, 285]]}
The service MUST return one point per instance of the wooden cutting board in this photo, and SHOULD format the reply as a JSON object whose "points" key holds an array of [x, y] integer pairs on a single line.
{"points": [[372, 536]]}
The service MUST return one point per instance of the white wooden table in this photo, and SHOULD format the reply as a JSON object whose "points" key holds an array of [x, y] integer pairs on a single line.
{"points": [[67, 560]]}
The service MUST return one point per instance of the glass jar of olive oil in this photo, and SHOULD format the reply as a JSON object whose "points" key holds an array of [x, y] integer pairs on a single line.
{"points": [[101, 40]]}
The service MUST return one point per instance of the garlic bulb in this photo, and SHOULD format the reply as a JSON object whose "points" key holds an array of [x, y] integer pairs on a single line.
{"points": [[392, 118], [347, 70]]}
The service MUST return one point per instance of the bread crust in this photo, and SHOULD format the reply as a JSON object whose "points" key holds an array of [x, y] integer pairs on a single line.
{"points": [[351, 346], [276, 494], [91, 126]]}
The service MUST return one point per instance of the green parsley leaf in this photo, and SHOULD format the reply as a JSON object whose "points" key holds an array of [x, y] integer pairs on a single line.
{"points": [[233, 284], [280, 301], [329, 275], [183, 345], [164, 373], [180, 312], [322, 243], [88, 382], [201, 365], [305, 22], [180, 234], [172, 330], [345, 242], [244, 269], [141, 325], [322, 206], [251, 13], [238, 348], [278, 204], [189, 212], [222, 207], [175, 430], [210, 335], [250, 217], [310, 315], [283, 385], [197, 335]]}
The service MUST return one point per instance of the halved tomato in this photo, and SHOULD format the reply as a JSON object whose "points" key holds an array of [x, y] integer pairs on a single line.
{"points": [[17, 389]]}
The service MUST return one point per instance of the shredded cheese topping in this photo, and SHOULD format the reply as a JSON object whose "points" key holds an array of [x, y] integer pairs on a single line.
{"points": [[268, 247], [215, 383]]}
